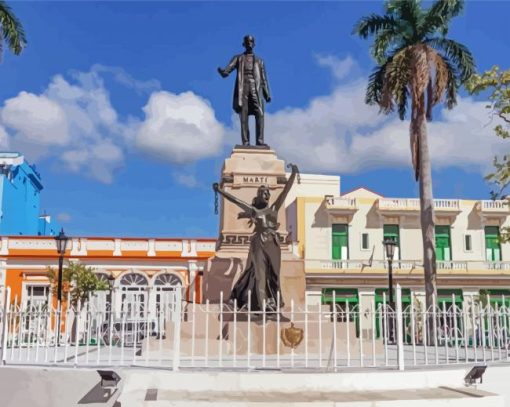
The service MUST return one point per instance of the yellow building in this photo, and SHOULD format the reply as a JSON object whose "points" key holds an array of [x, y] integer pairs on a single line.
{"points": [[339, 236]]}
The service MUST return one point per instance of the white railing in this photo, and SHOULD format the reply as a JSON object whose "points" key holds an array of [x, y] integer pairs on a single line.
{"points": [[338, 334], [341, 202], [467, 266], [451, 265], [497, 265], [414, 204], [333, 264], [496, 205], [399, 203], [447, 204]]}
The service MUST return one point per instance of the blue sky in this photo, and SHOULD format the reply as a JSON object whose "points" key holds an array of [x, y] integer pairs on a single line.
{"points": [[98, 98]]}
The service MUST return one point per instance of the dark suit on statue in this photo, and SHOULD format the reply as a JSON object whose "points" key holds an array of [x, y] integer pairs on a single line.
{"points": [[250, 91]]}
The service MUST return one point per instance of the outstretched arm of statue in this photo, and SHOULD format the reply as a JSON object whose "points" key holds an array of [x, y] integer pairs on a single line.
{"points": [[281, 198], [243, 205], [224, 72]]}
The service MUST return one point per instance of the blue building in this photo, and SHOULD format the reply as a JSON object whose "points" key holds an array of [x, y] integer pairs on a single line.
{"points": [[20, 189]]}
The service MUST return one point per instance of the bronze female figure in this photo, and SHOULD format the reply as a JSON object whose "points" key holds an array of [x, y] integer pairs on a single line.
{"points": [[261, 276]]}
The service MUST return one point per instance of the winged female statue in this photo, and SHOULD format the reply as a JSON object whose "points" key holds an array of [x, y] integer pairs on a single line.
{"points": [[261, 276]]}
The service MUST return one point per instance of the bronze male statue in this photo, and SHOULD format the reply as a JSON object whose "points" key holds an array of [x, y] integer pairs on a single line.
{"points": [[250, 90]]}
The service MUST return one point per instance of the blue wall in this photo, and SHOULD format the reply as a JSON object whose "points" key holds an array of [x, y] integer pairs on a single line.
{"points": [[20, 189]]}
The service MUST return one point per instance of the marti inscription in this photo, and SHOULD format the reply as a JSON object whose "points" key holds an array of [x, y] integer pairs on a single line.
{"points": [[256, 180]]}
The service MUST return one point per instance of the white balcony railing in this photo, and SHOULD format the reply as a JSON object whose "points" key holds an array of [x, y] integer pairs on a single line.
{"points": [[414, 204], [497, 265], [399, 204], [339, 202], [501, 205], [451, 265], [442, 265]]}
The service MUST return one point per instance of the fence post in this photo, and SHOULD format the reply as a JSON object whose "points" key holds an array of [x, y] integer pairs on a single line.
{"points": [[400, 330], [177, 330], [5, 326]]}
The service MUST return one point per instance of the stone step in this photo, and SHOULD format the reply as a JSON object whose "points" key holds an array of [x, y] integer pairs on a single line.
{"points": [[437, 397]]}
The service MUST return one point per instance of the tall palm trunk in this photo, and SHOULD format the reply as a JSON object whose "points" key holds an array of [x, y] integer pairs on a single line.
{"points": [[419, 128]]}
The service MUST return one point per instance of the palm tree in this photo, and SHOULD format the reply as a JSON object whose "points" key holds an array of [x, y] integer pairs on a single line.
{"points": [[417, 65], [12, 30]]}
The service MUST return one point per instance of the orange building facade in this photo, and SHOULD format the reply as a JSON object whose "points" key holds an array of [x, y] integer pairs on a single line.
{"points": [[143, 269]]}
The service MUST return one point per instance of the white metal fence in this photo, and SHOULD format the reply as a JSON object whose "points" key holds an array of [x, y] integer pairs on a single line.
{"points": [[179, 334]]}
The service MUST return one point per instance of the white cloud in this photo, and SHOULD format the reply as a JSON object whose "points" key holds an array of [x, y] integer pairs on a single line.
{"points": [[72, 121], [36, 118], [179, 128], [339, 67], [4, 139], [125, 79], [340, 133]]}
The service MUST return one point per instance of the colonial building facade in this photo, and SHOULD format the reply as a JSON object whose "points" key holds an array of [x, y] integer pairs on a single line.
{"points": [[144, 270], [339, 237]]}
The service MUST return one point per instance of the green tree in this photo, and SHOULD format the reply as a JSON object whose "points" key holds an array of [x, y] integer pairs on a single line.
{"points": [[78, 282], [497, 82], [12, 30], [417, 66]]}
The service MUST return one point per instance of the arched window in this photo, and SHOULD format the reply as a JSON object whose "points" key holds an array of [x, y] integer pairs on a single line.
{"points": [[133, 280], [134, 294], [165, 285], [167, 280]]}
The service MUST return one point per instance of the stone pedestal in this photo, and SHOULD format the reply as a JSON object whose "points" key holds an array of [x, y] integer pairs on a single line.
{"points": [[243, 172]]}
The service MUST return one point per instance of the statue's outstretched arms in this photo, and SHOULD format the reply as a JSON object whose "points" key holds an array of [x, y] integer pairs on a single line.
{"points": [[243, 205], [281, 198], [224, 72]]}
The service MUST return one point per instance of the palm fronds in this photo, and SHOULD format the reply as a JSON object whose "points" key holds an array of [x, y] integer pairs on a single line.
{"points": [[12, 30]]}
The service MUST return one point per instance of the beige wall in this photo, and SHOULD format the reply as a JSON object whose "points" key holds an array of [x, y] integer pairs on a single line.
{"points": [[368, 219]]}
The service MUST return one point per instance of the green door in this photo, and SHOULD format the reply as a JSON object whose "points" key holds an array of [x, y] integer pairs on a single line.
{"points": [[378, 299], [340, 242], [392, 232], [492, 246], [443, 245], [341, 297]]}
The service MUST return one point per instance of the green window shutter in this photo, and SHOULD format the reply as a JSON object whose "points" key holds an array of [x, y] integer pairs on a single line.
{"points": [[340, 242], [443, 243], [492, 245], [342, 295], [445, 295]]}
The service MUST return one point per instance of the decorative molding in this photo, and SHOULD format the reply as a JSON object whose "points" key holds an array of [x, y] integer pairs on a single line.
{"points": [[245, 239], [4, 245], [189, 248], [116, 248], [152, 248]]}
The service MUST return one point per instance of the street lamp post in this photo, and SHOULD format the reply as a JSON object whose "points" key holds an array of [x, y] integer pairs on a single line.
{"points": [[61, 240], [389, 246], [111, 282]]}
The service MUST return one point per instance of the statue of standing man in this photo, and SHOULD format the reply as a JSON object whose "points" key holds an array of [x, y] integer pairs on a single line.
{"points": [[250, 90]]}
